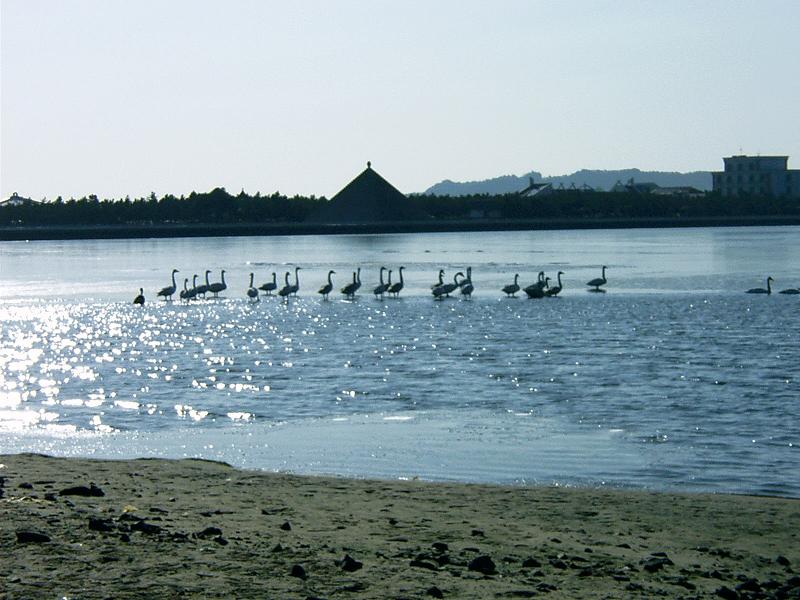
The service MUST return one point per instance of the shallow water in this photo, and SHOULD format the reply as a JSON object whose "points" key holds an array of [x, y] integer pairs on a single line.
{"points": [[673, 379]]}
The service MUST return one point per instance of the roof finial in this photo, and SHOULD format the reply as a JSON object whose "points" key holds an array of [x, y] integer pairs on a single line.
{"points": [[369, 165]]}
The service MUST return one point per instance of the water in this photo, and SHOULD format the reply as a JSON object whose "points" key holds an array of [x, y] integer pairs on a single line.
{"points": [[673, 379]]}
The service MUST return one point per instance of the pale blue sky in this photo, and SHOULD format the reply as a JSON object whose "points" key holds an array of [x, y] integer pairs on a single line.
{"points": [[119, 97]]}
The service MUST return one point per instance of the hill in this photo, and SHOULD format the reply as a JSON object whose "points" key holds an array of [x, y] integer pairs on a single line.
{"points": [[603, 180]]}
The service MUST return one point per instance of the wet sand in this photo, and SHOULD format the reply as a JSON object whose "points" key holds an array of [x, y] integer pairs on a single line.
{"points": [[148, 528]]}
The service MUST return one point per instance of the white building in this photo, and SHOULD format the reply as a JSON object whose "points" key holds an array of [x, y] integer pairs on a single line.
{"points": [[766, 176], [16, 200]]}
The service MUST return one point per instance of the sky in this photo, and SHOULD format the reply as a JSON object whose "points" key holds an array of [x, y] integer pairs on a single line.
{"points": [[123, 98]]}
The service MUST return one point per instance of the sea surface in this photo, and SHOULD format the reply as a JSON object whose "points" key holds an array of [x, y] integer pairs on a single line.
{"points": [[673, 379]]}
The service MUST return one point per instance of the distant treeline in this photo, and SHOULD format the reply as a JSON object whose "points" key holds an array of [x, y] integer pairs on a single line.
{"points": [[216, 206], [220, 207], [576, 204]]}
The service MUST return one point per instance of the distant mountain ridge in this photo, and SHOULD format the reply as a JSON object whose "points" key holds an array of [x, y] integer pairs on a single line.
{"points": [[598, 179]]}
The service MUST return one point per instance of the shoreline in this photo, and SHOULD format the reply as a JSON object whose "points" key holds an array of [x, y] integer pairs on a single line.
{"points": [[68, 232], [196, 528]]}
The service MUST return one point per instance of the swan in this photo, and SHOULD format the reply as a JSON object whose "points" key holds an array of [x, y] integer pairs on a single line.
{"points": [[441, 279], [381, 288], [219, 286], [395, 288], [466, 284], [170, 289], [296, 285], [534, 291], [192, 293], [467, 279], [446, 288], [287, 288], [556, 289], [762, 290], [270, 286], [326, 289], [358, 280], [140, 298], [512, 288], [537, 289], [598, 281], [185, 289], [252, 292], [350, 289], [790, 291], [203, 288]]}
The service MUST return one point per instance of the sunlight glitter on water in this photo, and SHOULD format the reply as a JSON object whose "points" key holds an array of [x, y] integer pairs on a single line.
{"points": [[704, 384]]}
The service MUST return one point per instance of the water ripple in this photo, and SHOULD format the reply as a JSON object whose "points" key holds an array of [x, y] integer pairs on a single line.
{"points": [[670, 374]]}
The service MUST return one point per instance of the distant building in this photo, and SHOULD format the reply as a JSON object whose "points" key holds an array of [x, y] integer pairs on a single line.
{"points": [[16, 200], [653, 189], [767, 176], [369, 198], [544, 189], [634, 187], [686, 191], [536, 189]]}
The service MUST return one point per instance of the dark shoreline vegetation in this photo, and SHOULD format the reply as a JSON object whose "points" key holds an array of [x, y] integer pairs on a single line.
{"points": [[220, 213]]}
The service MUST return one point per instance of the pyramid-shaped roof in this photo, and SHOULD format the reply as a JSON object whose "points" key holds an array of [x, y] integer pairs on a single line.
{"points": [[369, 198], [16, 200]]}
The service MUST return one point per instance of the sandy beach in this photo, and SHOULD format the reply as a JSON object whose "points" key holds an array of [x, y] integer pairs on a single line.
{"points": [[80, 528]]}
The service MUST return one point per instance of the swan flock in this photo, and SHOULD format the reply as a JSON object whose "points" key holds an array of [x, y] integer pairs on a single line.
{"points": [[443, 287]]}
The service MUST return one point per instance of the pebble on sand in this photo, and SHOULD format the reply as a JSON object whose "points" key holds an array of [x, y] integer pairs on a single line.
{"points": [[348, 563], [531, 563], [102, 525], [31, 537], [655, 562], [483, 564], [81, 490], [299, 572], [208, 532]]}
